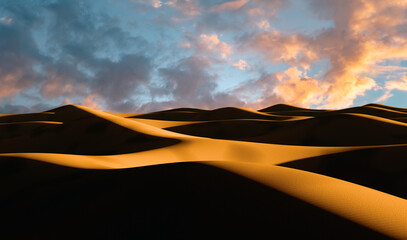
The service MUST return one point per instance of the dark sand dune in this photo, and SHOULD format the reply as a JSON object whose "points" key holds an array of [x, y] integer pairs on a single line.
{"points": [[181, 201], [370, 109], [73, 131], [294, 173], [334, 130], [288, 108], [382, 168], [208, 115], [375, 111], [387, 107]]}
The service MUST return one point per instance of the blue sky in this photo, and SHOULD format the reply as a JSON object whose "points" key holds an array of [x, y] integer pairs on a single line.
{"points": [[148, 55]]}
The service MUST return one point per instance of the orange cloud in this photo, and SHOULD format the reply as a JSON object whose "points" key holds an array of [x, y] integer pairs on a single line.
{"points": [[364, 35], [296, 89], [277, 47]]}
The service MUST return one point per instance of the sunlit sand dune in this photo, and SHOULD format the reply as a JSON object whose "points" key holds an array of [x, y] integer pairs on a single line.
{"points": [[193, 173]]}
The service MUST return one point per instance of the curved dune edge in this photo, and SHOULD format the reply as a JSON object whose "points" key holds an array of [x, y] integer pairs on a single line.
{"points": [[29, 122], [379, 211], [200, 149]]}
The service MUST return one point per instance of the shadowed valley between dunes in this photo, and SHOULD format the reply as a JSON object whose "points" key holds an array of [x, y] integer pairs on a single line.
{"points": [[194, 173]]}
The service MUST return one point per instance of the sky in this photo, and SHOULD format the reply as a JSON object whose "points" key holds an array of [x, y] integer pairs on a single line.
{"points": [[149, 55]]}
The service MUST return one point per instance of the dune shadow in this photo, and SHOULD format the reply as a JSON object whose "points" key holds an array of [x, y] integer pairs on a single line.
{"points": [[383, 169], [170, 201]]}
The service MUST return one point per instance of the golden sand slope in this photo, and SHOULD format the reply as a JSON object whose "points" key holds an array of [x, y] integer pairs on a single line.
{"points": [[258, 145]]}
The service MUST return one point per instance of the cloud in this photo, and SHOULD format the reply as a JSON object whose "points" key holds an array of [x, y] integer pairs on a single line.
{"points": [[295, 89], [19, 54], [390, 86], [384, 97], [118, 81], [185, 45], [153, 3], [364, 34], [265, 8], [10, 108], [190, 83], [91, 102], [290, 86], [76, 50], [212, 44], [229, 6], [6, 20], [187, 7], [263, 24], [241, 64], [72, 63], [397, 84], [294, 49]]}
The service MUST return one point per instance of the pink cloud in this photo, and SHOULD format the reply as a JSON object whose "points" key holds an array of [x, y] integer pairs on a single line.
{"points": [[58, 85], [229, 6], [263, 24], [185, 45], [211, 44], [9, 84], [91, 101], [241, 64]]}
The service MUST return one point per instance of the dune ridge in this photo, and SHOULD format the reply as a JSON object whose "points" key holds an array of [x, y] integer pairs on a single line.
{"points": [[282, 147]]}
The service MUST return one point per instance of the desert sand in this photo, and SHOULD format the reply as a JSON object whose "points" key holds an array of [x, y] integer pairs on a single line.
{"points": [[193, 173]]}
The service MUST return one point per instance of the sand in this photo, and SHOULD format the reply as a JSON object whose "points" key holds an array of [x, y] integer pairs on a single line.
{"points": [[335, 173]]}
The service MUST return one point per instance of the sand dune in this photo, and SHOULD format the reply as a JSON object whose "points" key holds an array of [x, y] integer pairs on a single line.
{"points": [[206, 115], [230, 171], [341, 129]]}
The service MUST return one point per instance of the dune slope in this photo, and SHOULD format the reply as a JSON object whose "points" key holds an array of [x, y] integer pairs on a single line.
{"points": [[193, 173]]}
